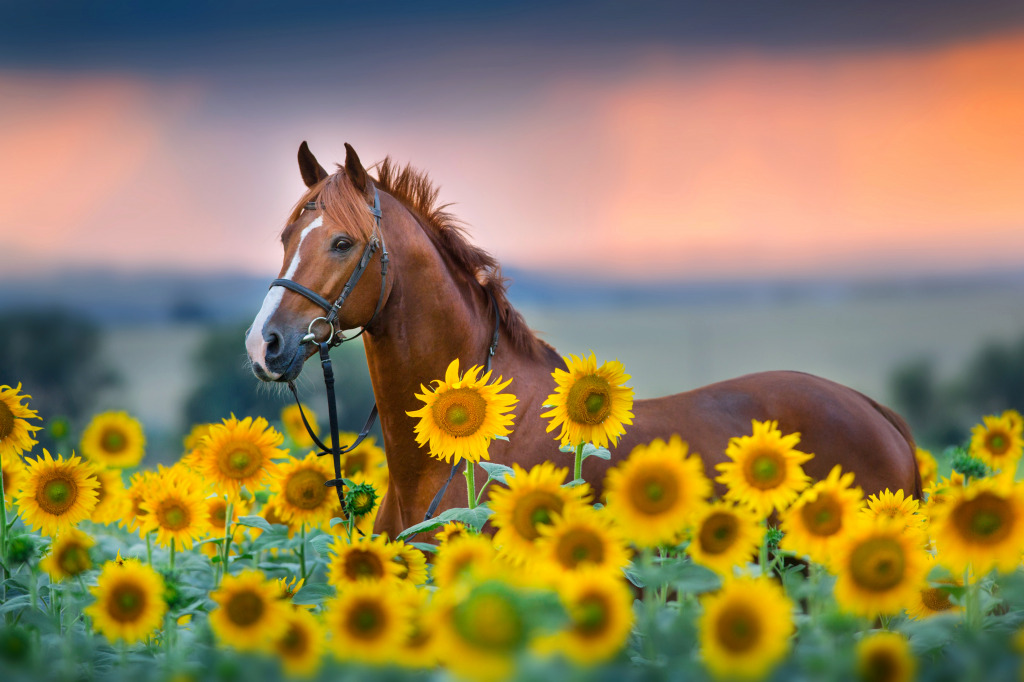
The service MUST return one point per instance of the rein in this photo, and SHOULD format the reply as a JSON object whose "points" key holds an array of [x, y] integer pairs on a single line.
{"points": [[336, 338]]}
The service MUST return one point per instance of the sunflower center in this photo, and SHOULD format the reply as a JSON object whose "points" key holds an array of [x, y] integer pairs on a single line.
{"points": [[936, 599], [245, 608], [997, 443], [765, 470], [534, 509], [878, 564], [579, 545], [219, 514], [240, 461], [6, 421], [113, 440], [305, 489], [360, 564], [459, 412], [491, 622], [738, 628], [355, 462], [126, 602], [74, 559], [173, 515], [589, 400], [295, 642], [366, 620], [822, 517], [985, 520], [881, 665], [57, 495], [590, 617], [654, 491], [718, 533]]}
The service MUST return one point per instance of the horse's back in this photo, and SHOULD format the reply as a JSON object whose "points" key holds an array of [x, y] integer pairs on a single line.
{"points": [[836, 423]]}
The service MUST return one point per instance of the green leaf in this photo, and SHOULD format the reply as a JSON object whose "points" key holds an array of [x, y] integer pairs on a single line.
{"points": [[424, 547], [566, 448], [254, 522], [336, 520], [590, 451], [497, 472], [476, 518], [322, 544], [313, 593], [573, 483]]}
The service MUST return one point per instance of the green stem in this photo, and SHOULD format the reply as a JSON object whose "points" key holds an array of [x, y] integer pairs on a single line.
{"points": [[650, 603], [763, 555], [149, 551], [172, 555], [480, 495], [471, 484], [85, 593], [972, 602], [302, 553], [578, 467], [226, 548], [3, 541]]}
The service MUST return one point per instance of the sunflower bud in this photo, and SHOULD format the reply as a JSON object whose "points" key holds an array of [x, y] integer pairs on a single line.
{"points": [[21, 549], [360, 500]]}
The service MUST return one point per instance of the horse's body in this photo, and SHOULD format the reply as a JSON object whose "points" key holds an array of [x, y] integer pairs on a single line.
{"points": [[437, 308]]}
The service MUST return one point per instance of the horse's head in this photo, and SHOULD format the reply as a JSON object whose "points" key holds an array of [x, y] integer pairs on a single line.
{"points": [[329, 232]]}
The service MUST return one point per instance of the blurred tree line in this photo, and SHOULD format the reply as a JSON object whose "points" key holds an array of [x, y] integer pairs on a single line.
{"points": [[941, 412]]}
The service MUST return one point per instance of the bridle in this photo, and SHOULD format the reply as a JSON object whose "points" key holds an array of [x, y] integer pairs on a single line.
{"points": [[336, 338]]}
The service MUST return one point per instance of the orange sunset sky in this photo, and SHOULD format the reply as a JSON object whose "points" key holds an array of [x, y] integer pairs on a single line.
{"points": [[670, 161]]}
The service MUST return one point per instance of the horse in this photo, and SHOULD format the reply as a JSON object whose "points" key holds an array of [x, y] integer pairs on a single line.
{"points": [[442, 298]]}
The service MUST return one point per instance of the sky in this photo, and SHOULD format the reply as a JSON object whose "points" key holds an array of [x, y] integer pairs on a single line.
{"points": [[645, 140]]}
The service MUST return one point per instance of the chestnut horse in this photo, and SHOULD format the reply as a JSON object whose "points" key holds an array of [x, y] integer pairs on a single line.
{"points": [[435, 305]]}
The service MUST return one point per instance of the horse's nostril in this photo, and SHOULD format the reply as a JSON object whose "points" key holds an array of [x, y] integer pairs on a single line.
{"points": [[273, 340]]}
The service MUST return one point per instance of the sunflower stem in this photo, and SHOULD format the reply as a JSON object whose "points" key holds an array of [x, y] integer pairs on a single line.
{"points": [[302, 551], [578, 467], [85, 593], [471, 484], [763, 555], [3, 542], [172, 556], [972, 604], [650, 605], [226, 549], [149, 551]]}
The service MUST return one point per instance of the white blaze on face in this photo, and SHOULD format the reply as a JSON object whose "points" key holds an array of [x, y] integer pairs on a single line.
{"points": [[255, 344]]}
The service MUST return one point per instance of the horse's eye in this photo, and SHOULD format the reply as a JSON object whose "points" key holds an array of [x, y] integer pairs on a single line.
{"points": [[341, 244]]}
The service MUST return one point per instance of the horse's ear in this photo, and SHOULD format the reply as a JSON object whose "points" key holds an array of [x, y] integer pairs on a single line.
{"points": [[312, 171], [354, 168]]}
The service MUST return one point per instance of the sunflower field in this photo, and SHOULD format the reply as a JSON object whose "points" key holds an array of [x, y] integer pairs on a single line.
{"points": [[238, 563]]}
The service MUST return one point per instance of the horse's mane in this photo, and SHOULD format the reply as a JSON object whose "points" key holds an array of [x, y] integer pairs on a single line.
{"points": [[419, 194]]}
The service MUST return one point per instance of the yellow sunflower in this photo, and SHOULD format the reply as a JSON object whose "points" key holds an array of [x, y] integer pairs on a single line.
{"points": [[129, 601], [138, 487], [724, 535], [764, 472], [176, 509], [745, 628], [248, 616], [15, 431], [412, 561], [894, 505], [653, 494], [927, 466], [365, 559], [583, 538], [367, 463], [462, 558], [239, 453], [981, 526], [191, 444], [69, 555], [301, 646], [462, 415], [590, 403], [939, 491], [817, 520], [885, 657], [880, 565], [291, 420], [288, 588], [57, 494], [933, 596], [13, 471], [299, 489], [114, 440], [998, 442], [112, 503], [274, 515], [368, 622], [419, 650], [531, 499], [450, 531], [600, 609]]}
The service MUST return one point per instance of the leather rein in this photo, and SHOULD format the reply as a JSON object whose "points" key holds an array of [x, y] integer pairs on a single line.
{"points": [[336, 338]]}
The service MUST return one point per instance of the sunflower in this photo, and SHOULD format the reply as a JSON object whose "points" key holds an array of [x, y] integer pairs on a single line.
{"points": [[940, 490], [463, 557], [885, 657], [239, 452], [129, 601], [248, 616], [655, 492], [191, 444], [288, 588], [600, 609], [115, 440], [905, 510], [57, 494], [583, 538], [367, 463], [301, 646], [138, 487], [419, 650], [981, 526], [745, 628], [463, 414], [291, 420], [412, 562], [590, 403], [724, 535], [927, 466], [531, 499], [764, 472], [816, 521], [15, 431], [480, 635], [365, 559], [368, 622], [69, 555], [274, 515], [933, 596], [451, 531], [111, 497], [998, 442], [880, 565], [176, 509], [13, 471], [299, 489]]}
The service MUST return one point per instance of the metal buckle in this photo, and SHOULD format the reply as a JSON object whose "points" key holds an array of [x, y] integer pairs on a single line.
{"points": [[310, 336]]}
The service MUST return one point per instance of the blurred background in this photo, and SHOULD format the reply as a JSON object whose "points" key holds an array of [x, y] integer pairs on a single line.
{"points": [[697, 189]]}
